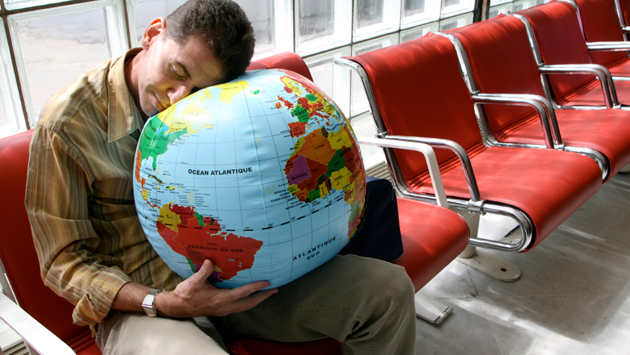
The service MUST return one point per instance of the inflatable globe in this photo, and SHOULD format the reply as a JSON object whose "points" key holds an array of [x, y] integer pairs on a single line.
{"points": [[262, 175]]}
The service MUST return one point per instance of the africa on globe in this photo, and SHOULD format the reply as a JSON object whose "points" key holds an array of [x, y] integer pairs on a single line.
{"points": [[262, 175]]}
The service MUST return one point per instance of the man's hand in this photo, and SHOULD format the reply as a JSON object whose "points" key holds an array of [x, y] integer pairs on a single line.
{"points": [[195, 296]]}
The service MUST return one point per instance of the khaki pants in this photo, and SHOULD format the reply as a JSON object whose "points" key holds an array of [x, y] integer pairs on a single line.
{"points": [[367, 304]]}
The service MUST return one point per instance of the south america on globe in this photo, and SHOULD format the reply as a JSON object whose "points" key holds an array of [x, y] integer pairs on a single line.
{"points": [[262, 175]]}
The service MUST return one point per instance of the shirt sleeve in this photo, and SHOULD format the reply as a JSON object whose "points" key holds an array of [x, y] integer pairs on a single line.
{"points": [[58, 192]]}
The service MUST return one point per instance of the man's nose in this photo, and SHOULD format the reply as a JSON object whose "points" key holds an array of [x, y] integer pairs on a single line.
{"points": [[178, 92]]}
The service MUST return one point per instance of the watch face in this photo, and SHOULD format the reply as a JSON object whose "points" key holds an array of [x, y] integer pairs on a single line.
{"points": [[148, 304]]}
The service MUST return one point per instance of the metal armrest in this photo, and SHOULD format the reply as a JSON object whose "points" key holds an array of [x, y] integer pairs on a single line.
{"points": [[540, 104], [616, 46], [475, 204], [429, 156], [599, 71], [420, 144], [34, 334]]}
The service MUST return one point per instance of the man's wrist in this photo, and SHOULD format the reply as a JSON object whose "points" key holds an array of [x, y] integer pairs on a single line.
{"points": [[148, 304]]}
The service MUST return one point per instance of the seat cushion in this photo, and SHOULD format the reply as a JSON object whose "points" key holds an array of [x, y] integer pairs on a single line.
{"points": [[605, 130], [620, 67], [592, 95], [90, 350], [432, 237], [546, 184]]}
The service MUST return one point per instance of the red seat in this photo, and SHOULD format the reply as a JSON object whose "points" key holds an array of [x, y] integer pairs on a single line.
{"points": [[560, 41], [430, 244], [501, 61], [418, 91]]}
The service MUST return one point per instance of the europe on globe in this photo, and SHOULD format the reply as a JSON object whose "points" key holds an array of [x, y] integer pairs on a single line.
{"points": [[262, 175]]}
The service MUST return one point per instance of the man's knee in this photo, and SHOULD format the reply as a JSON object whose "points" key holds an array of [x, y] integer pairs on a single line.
{"points": [[138, 334], [384, 278]]}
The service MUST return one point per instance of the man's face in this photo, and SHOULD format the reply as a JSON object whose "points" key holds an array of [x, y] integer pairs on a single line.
{"points": [[169, 71]]}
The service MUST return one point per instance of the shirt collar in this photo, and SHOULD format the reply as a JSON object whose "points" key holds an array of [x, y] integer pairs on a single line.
{"points": [[124, 116]]}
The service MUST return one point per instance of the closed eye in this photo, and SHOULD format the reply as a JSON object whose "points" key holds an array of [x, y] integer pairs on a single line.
{"points": [[179, 73]]}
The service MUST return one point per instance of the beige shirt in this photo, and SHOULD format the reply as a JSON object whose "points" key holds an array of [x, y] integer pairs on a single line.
{"points": [[79, 194]]}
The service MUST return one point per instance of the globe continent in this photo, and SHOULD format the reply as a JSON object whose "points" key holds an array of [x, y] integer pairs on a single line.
{"points": [[262, 175]]}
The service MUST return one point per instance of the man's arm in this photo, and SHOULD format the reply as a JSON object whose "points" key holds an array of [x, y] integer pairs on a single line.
{"points": [[57, 194], [194, 297], [57, 205]]}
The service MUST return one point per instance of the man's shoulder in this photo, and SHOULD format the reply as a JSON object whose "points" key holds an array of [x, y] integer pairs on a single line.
{"points": [[88, 92]]}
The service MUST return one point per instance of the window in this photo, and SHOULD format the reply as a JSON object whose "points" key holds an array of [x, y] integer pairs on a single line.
{"points": [[418, 32], [501, 9], [322, 25], [51, 42], [11, 118], [523, 4], [375, 17], [22, 4], [498, 2], [417, 12], [142, 12], [456, 7], [274, 34], [54, 46], [455, 22]]}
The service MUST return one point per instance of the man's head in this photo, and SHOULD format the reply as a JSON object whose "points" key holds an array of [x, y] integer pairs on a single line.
{"points": [[202, 43], [223, 25]]}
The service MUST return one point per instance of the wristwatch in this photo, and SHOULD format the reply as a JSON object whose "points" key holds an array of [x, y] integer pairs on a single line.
{"points": [[149, 303]]}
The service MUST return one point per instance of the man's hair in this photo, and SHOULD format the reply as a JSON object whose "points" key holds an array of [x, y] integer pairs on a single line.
{"points": [[220, 23]]}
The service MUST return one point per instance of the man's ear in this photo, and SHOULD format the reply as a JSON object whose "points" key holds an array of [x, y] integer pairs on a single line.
{"points": [[153, 32]]}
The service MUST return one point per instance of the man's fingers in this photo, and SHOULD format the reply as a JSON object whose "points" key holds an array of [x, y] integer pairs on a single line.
{"points": [[246, 290], [246, 297], [249, 302], [204, 272]]}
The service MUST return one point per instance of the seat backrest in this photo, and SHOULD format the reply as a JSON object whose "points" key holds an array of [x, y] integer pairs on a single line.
{"points": [[419, 91], [501, 62], [17, 251], [560, 41], [286, 60], [600, 23]]}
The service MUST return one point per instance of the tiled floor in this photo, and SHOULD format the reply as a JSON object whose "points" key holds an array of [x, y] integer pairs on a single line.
{"points": [[573, 297]]}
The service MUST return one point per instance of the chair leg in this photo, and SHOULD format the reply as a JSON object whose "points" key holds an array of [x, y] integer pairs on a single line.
{"points": [[489, 264], [484, 262], [625, 169], [431, 310]]}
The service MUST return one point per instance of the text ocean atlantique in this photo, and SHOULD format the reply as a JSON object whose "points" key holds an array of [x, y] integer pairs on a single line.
{"points": [[220, 172]]}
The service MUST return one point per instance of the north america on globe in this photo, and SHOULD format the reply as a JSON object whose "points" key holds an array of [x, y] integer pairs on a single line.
{"points": [[262, 175]]}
